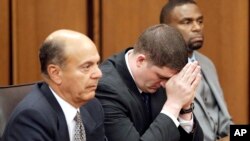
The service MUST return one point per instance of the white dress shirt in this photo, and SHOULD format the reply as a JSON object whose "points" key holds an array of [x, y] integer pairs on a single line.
{"points": [[192, 58], [69, 113]]}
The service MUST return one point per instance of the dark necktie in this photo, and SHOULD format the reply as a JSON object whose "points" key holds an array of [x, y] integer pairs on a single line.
{"points": [[146, 100], [80, 134]]}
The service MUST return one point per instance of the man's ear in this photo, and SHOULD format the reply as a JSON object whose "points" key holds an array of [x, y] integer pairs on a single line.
{"points": [[55, 73], [140, 60]]}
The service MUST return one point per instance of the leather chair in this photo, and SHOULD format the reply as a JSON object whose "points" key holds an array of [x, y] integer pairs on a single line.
{"points": [[10, 96]]}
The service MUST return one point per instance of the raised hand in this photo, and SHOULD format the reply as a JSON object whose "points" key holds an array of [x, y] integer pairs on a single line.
{"points": [[181, 88]]}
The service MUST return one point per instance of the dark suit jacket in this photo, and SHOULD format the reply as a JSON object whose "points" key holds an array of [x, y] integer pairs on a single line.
{"points": [[125, 115], [39, 117]]}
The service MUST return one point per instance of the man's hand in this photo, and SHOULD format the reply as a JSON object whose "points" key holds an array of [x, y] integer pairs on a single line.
{"points": [[181, 88]]}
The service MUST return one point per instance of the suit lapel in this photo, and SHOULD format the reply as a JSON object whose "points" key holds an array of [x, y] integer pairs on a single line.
{"points": [[126, 76], [62, 124], [128, 80], [124, 72], [88, 121], [198, 97], [214, 89], [211, 80]]}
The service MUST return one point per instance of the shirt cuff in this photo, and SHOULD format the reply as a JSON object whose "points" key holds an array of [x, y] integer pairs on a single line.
{"points": [[187, 125]]}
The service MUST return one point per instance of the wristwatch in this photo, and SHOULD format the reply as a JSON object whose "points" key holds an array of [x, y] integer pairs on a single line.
{"points": [[185, 111]]}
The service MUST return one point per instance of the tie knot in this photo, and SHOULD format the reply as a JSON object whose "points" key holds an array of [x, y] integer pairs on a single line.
{"points": [[145, 96], [78, 116]]}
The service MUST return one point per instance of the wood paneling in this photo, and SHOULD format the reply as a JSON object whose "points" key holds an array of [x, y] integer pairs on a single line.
{"points": [[33, 20], [4, 43], [123, 21], [227, 44], [97, 24]]}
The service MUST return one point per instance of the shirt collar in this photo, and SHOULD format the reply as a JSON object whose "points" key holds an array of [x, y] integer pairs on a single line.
{"points": [[192, 58], [129, 69], [68, 110]]}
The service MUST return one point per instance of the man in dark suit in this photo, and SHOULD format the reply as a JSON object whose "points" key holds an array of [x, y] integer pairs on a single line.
{"points": [[210, 106], [134, 85], [69, 66]]}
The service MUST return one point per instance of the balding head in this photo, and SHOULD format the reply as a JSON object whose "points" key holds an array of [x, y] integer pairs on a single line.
{"points": [[64, 36], [69, 64], [55, 45]]}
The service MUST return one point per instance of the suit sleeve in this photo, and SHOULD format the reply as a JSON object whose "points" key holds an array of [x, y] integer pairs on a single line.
{"points": [[119, 126], [28, 125], [124, 120]]}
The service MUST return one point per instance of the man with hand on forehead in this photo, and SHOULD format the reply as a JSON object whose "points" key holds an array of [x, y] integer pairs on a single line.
{"points": [[147, 90]]}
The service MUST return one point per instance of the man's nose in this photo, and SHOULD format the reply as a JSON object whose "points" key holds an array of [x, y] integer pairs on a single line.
{"points": [[97, 73], [197, 26]]}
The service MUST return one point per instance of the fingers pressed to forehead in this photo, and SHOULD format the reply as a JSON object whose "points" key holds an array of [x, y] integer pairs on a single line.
{"points": [[196, 71], [187, 74], [183, 71]]}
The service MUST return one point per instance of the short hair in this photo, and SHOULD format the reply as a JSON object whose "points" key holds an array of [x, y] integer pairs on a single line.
{"points": [[51, 52], [164, 46], [168, 7]]}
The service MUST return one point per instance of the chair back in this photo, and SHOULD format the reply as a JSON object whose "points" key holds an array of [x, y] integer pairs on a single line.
{"points": [[10, 96]]}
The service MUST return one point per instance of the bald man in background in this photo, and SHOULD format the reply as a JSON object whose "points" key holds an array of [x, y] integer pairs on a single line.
{"points": [[69, 65]]}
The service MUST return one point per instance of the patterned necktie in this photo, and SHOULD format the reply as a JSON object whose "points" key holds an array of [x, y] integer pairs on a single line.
{"points": [[80, 134]]}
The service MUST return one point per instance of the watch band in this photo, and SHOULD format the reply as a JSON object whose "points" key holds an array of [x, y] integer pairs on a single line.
{"points": [[185, 111]]}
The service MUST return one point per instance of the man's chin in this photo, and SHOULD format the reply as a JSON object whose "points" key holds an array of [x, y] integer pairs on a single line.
{"points": [[152, 90], [195, 46]]}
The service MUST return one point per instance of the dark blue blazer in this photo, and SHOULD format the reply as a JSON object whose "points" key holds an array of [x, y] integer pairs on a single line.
{"points": [[39, 117]]}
